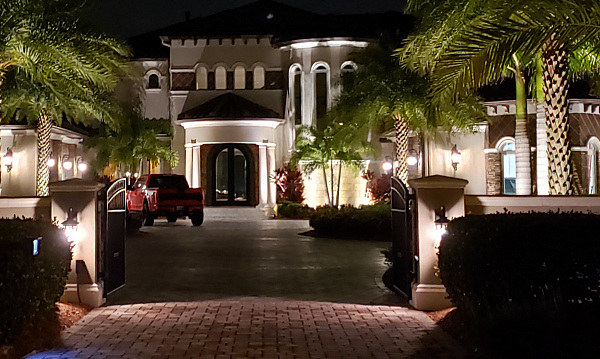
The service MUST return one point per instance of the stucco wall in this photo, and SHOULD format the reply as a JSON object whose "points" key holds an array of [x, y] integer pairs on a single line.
{"points": [[352, 187]]}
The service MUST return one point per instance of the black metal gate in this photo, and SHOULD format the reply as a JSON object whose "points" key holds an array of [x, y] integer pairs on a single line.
{"points": [[114, 241], [402, 238]]}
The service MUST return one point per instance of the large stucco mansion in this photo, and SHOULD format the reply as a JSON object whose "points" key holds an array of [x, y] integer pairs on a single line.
{"points": [[237, 84]]}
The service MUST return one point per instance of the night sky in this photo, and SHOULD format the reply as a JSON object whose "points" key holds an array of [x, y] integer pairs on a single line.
{"points": [[126, 18]]}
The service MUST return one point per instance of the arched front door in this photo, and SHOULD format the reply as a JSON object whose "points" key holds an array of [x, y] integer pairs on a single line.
{"points": [[232, 169]]}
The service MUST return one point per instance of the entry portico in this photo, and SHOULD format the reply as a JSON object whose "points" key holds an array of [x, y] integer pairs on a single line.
{"points": [[230, 150]]}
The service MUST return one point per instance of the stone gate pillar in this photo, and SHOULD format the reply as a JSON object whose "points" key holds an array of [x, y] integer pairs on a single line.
{"points": [[432, 193], [84, 283]]}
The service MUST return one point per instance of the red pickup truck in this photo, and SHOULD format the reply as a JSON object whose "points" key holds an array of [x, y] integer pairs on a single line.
{"points": [[157, 195]]}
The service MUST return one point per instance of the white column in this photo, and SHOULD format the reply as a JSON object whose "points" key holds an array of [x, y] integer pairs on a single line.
{"points": [[541, 153], [196, 167], [308, 96], [271, 169], [188, 165], [263, 175]]}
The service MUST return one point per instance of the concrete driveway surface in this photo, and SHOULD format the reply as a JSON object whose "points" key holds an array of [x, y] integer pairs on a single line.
{"points": [[242, 286]]}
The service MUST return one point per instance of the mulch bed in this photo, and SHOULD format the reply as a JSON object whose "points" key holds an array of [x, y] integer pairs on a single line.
{"points": [[46, 333]]}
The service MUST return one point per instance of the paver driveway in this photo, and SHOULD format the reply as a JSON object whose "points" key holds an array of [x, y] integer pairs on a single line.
{"points": [[254, 328], [241, 286], [239, 252]]}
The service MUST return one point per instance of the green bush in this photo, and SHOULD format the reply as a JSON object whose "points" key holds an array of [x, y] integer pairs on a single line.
{"points": [[499, 265], [288, 209], [372, 222], [30, 285]]}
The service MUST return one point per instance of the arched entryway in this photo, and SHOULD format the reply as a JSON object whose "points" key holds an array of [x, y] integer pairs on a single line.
{"points": [[231, 168]]}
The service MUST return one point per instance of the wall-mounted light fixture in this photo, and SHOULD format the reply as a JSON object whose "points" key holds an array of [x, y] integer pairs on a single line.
{"points": [[413, 157], [455, 157], [51, 161], [67, 163], [387, 165], [70, 225], [441, 225], [8, 159], [81, 165]]}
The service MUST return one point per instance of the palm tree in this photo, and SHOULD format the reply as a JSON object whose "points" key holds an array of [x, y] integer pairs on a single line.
{"points": [[484, 48], [384, 95], [134, 141], [320, 149], [67, 68]]}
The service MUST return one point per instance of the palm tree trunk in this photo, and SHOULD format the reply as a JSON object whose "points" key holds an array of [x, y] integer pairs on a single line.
{"points": [[401, 148], [339, 182], [556, 86], [541, 136], [44, 127], [327, 197], [522, 148], [332, 181]]}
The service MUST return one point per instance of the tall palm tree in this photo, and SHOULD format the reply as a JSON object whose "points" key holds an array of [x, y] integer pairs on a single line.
{"points": [[384, 95], [41, 43], [484, 48]]}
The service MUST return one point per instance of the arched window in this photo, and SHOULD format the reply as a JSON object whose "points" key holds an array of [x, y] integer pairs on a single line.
{"points": [[153, 81], [509, 167], [239, 78], [201, 78], [295, 75], [321, 77], [221, 78], [593, 147], [347, 70], [259, 77]]}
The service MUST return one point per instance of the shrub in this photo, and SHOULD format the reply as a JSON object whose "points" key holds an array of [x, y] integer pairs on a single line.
{"points": [[378, 189], [288, 209], [30, 285], [289, 183], [504, 264], [372, 222]]}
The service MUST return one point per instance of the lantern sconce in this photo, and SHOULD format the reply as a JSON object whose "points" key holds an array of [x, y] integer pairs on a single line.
{"points": [[51, 161], [455, 157], [70, 225], [8, 159], [81, 165], [441, 225], [387, 165], [67, 163], [413, 157]]}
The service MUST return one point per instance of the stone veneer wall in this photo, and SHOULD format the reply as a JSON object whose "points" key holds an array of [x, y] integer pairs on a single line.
{"points": [[352, 188], [493, 174]]}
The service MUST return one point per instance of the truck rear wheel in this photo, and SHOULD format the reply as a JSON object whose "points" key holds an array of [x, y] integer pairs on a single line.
{"points": [[148, 217], [197, 218]]}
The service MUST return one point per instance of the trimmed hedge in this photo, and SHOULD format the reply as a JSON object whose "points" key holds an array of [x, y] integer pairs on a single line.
{"points": [[504, 264], [30, 285], [370, 222], [287, 209]]}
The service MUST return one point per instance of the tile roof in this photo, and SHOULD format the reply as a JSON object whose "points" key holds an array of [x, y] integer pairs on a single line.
{"points": [[228, 106]]}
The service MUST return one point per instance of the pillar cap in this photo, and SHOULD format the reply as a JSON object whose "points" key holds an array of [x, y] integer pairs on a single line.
{"points": [[438, 181], [75, 185]]}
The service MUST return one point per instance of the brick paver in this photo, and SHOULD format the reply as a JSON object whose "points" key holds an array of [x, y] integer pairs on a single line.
{"points": [[254, 328]]}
